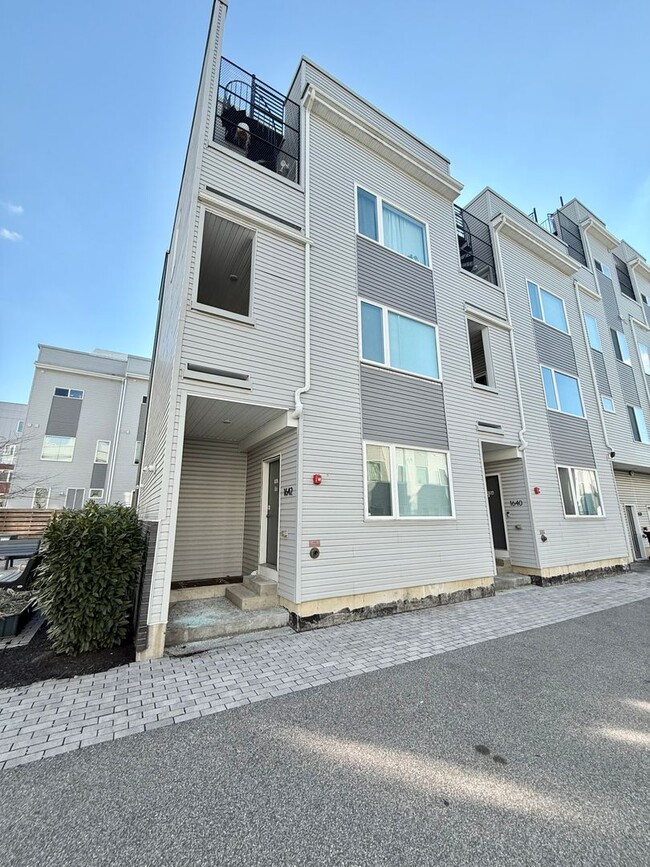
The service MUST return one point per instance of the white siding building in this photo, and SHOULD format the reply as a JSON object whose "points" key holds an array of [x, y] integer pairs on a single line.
{"points": [[366, 394], [83, 430]]}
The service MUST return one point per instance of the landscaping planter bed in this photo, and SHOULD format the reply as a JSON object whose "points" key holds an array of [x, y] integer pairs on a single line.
{"points": [[15, 610]]}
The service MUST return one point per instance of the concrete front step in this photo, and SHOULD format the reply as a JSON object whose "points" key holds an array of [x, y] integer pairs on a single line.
{"points": [[249, 600], [206, 619], [510, 581], [261, 586]]}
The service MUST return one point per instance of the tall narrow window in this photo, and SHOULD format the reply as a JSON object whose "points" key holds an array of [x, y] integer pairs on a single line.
{"points": [[226, 266], [644, 352], [593, 333], [621, 349], [41, 498], [637, 422], [372, 333], [367, 214], [378, 480], [479, 346]]}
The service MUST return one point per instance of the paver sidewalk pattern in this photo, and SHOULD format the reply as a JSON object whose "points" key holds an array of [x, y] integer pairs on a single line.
{"points": [[56, 716]]}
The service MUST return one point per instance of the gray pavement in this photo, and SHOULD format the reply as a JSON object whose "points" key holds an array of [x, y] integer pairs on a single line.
{"points": [[531, 749], [56, 716]]}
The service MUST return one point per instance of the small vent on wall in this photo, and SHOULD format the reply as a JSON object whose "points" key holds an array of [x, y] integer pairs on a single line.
{"points": [[216, 374], [488, 427]]}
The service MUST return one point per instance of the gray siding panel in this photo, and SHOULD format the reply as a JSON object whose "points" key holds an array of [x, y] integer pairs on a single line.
{"points": [[610, 301], [628, 384], [210, 527], [571, 440], [402, 409], [601, 372], [98, 476], [391, 279], [64, 417], [555, 348]]}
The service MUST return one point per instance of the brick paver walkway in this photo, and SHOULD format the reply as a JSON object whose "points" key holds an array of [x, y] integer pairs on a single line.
{"points": [[57, 716]]}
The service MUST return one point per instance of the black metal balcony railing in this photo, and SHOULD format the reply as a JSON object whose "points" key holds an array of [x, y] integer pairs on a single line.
{"points": [[623, 275], [569, 232], [258, 121], [475, 245]]}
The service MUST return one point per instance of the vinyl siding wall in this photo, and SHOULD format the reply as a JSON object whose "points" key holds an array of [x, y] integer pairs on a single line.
{"points": [[569, 541], [361, 555], [286, 446], [210, 524]]}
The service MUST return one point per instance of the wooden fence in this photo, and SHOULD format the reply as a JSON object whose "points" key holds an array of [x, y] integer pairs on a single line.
{"points": [[24, 523]]}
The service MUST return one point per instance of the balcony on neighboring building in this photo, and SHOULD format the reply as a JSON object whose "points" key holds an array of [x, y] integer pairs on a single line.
{"points": [[566, 230], [257, 121], [475, 246]]}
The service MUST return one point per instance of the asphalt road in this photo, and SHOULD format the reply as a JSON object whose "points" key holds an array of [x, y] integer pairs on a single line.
{"points": [[527, 750]]}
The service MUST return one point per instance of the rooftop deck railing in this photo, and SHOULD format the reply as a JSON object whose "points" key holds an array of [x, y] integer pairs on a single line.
{"points": [[257, 121], [475, 245]]}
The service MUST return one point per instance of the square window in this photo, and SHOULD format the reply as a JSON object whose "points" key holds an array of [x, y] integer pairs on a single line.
{"points": [[580, 492], [96, 494], [604, 269], [547, 307], [58, 448], [562, 392], [226, 266], [404, 234], [412, 345], [423, 487]]}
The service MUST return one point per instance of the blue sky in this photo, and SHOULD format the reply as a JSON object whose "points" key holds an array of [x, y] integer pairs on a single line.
{"points": [[535, 100]]}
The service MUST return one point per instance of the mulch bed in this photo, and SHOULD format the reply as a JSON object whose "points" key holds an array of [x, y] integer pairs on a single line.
{"points": [[21, 666]]}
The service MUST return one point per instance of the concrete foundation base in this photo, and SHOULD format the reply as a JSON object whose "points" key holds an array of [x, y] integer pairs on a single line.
{"points": [[617, 564], [343, 609]]}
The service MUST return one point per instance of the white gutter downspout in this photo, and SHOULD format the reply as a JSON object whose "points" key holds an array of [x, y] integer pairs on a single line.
{"points": [[298, 406], [496, 225], [114, 445]]}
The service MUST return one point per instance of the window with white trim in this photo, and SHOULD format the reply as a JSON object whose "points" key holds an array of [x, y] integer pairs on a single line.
{"points": [[41, 498], [621, 349], [644, 353], [226, 266], [637, 422], [547, 307], [407, 482], [8, 453], [102, 451], [562, 392], [137, 455], [390, 227], [580, 492], [5, 476], [591, 324], [58, 448], [75, 393], [20, 427], [96, 494], [394, 340], [604, 269], [607, 402], [480, 354]]}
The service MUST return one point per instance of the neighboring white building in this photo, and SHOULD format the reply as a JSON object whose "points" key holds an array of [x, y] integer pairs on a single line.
{"points": [[367, 394], [83, 430], [12, 422]]}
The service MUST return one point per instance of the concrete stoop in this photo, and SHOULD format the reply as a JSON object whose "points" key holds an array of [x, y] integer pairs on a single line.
{"points": [[510, 581], [205, 619], [254, 594]]}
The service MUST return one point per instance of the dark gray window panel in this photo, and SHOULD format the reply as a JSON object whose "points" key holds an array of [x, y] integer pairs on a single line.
{"points": [[75, 498], [98, 476], [601, 372], [571, 440], [402, 409], [64, 417], [393, 280], [141, 422], [555, 348], [610, 302], [628, 383]]}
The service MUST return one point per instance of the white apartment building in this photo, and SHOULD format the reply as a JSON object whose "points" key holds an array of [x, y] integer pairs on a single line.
{"points": [[366, 396], [83, 430]]}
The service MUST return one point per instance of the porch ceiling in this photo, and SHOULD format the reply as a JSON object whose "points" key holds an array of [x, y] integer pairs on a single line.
{"points": [[225, 421]]}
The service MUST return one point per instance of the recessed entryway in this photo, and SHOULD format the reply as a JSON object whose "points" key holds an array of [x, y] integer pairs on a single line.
{"points": [[270, 520]]}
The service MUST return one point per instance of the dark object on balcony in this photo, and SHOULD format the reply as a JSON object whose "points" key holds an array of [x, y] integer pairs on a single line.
{"points": [[623, 277], [569, 232], [475, 245], [258, 120]]}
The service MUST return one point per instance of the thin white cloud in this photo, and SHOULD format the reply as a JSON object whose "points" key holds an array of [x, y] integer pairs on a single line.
{"points": [[13, 209], [8, 235]]}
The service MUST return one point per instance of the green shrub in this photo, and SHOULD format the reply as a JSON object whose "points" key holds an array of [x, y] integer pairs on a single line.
{"points": [[86, 585]]}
